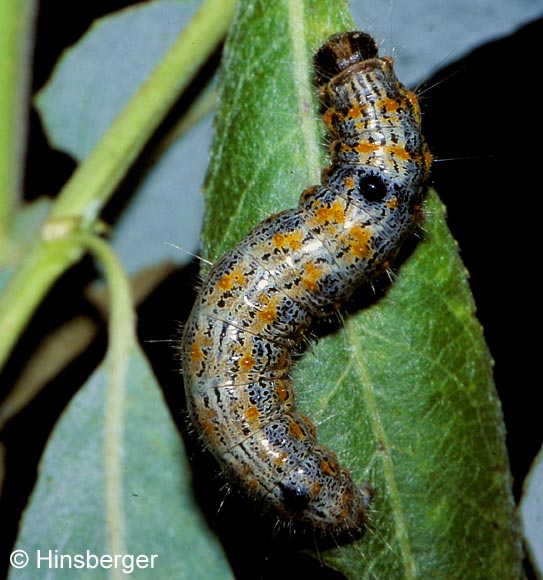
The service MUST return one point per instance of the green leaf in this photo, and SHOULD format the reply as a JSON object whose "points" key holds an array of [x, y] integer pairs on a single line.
{"points": [[5, 275], [157, 515], [267, 146], [403, 392], [107, 66]]}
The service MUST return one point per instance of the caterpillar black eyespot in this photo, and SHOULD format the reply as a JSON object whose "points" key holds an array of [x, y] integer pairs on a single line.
{"points": [[262, 296], [372, 188]]}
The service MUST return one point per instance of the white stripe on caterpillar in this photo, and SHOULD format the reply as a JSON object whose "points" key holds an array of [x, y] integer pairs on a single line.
{"points": [[262, 296]]}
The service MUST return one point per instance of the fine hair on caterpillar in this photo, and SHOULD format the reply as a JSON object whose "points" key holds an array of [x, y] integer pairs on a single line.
{"points": [[261, 298]]}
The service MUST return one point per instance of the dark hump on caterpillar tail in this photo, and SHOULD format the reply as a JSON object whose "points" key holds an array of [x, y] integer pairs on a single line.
{"points": [[341, 51]]}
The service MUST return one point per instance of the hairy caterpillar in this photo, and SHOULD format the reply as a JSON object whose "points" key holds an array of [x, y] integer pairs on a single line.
{"points": [[262, 296]]}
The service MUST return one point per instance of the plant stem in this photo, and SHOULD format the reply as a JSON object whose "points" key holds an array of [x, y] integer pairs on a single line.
{"points": [[16, 21], [40, 268], [93, 183], [121, 338]]}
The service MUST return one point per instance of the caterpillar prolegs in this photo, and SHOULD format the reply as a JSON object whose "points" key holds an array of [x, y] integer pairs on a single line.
{"points": [[262, 296]]}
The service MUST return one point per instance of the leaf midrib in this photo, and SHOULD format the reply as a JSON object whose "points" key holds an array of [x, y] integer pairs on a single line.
{"points": [[388, 466], [309, 123]]}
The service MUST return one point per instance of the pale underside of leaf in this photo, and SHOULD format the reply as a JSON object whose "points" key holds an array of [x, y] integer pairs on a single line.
{"points": [[150, 509]]}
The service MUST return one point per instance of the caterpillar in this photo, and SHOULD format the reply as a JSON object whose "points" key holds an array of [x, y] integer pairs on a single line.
{"points": [[262, 296]]}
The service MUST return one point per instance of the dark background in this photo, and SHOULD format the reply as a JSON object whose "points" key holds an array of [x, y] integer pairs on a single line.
{"points": [[481, 117]]}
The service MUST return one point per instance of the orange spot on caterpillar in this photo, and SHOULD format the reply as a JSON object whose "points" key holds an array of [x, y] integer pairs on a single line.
{"points": [[393, 203], [328, 467], [335, 213], [282, 392], [312, 275], [290, 240], [269, 314], [360, 241], [428, 158], [252, 413], [209, 430], [228, 281], [389, 105], [196, 353], [397, 151], [315, 488], [354, 112], [295, 430], [366, 148], [247, 362], [412, 98], [281, 458], [253, 484], [308, 424], [328, 118]]}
